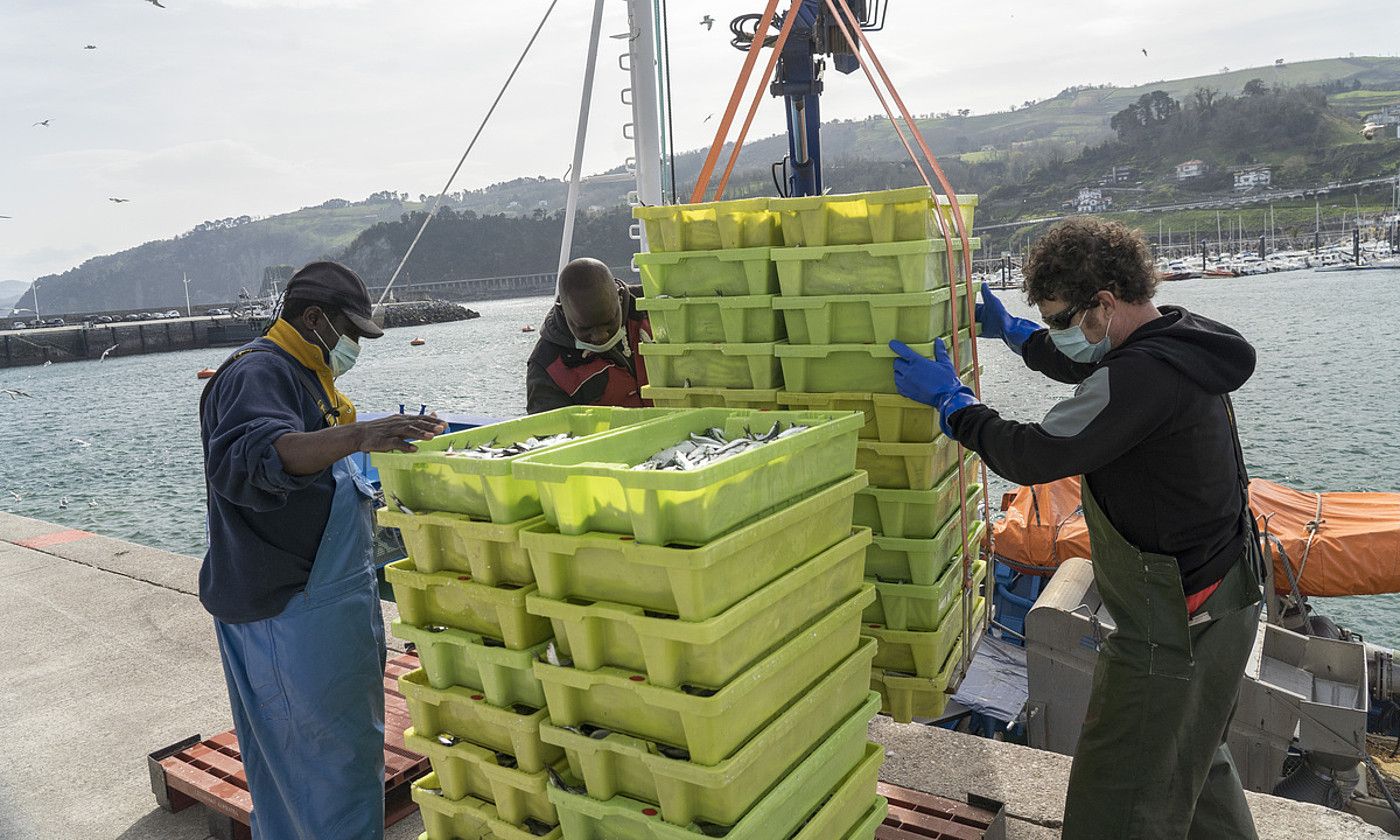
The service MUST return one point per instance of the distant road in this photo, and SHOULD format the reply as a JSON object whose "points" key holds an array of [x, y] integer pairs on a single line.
{"points": [[1213, 203]]}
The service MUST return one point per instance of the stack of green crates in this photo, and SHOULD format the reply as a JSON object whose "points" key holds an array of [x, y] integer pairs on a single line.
{"points": [[791, 303], [475, 704], [857, 272], [709, 283], [708, 676]]}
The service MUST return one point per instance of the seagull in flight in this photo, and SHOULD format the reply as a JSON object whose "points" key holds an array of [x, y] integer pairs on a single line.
{"points": [[81, 442], [707, 22], [90, 47], [15, 393], [156, 3], [710, 117], [119, 200], [44, 123], [6, 217], [106, 352], [17, 496], [1144, 52]]}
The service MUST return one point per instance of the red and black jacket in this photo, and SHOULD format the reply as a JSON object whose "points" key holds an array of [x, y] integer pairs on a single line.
{"points": [[559, 374]]}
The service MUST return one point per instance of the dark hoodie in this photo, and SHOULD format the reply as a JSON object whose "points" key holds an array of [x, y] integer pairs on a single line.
{"points": [[1149, 429], [556, 349]]}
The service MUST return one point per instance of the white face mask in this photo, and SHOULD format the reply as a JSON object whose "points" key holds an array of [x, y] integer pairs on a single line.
{"points": [[605, 346], [343, 355], [1072, 342]]}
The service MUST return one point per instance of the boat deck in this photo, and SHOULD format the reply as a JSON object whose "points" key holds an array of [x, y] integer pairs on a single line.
{"points": [[108, 656]]}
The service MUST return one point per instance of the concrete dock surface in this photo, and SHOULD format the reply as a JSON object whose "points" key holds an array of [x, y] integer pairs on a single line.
{"points": [[108, 656]]}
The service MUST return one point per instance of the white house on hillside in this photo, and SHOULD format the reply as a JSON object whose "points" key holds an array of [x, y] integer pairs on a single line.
{"points": [[1190, 169], [1092, 201], [1253, 177]]}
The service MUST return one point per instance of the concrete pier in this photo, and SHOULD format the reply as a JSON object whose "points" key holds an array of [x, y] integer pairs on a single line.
{"points": [[108, 655]]}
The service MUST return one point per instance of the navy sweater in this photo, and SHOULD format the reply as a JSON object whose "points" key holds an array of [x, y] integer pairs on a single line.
{"points": [[265, 526]]}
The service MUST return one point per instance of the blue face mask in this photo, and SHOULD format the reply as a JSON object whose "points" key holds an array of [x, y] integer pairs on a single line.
{"points": [[1072, 342], [343, 354]]}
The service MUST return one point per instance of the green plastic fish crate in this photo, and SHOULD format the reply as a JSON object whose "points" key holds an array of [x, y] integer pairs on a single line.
{"points": [[757, 399], [744, 271], [777, 815], [696, 583], [458, 658], [430, 480], [883, 269], [916, 652], [869, 824], [904, 698], [914, 318], [468, 818], [453, 542], [617, 765], [921, 562], [913, 514], [742, 366], [914, 606], [708, 724], [835, 368], [467, 769], [467, 714], [712, 226], [738, 320], [712, 652], [862, 218], [888, 417], [453, 600], [591, 486], [849, 802], [913, 466]]}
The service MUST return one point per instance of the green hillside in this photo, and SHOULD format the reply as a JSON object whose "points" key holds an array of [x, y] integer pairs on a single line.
{"points": [[1023, 162]]}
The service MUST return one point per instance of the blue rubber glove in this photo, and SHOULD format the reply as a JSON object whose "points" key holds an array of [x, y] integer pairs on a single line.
{"points": [[998, 323], [932, 382]]}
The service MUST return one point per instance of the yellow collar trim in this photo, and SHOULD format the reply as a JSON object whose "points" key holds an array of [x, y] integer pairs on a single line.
{"points": [[285, 336]]}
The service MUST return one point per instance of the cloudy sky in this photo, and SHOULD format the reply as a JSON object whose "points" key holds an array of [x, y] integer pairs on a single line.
{"points": [[215, 108]]}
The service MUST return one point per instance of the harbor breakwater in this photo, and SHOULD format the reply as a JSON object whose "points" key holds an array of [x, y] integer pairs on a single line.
{"points": [[91, 341]]}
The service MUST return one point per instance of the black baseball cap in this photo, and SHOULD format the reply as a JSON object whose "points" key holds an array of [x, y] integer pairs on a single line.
{"points": [[335, 285]]}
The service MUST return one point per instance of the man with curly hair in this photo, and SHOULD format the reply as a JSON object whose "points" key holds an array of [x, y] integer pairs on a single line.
{"points": [[1151, 431]]}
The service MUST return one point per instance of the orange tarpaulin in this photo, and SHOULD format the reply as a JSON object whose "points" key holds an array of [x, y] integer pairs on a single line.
{"points": [[1355, 544]]}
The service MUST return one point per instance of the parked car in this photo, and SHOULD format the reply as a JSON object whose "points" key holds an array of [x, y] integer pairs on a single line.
{"points": [[104, 319], [132, 317], [217, 311], [174, 313], [19, 325], [55, 322]]}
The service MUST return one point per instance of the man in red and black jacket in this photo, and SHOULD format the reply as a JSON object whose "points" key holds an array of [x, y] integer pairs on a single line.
{"points": [[587, 352]]}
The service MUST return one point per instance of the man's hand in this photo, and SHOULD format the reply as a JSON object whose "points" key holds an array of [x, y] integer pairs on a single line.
{"points": [[932, 382], [998, 323], [393, 433]]}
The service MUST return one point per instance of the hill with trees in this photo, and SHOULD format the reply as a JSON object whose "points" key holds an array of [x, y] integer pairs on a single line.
{"points": [[1029, 160]]}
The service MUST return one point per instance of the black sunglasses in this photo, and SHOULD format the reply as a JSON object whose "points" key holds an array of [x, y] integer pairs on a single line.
{"points": [[1060, 320]]}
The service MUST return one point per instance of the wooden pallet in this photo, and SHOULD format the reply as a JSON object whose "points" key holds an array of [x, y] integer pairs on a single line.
{"points": [[914, 815], [209, 772]]}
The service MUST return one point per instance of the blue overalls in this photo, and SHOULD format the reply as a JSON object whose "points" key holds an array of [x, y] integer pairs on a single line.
{"points": [[306, 687]]}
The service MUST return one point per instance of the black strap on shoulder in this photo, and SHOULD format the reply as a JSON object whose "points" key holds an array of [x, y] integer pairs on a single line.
{"points": [[328, 414]]}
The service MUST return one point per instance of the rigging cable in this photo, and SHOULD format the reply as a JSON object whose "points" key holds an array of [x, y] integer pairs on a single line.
{"points": [[484, 120], [670, 101]]}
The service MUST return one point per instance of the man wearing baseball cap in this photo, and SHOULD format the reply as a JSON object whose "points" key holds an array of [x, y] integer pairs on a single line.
{"points": [[288, 576]]}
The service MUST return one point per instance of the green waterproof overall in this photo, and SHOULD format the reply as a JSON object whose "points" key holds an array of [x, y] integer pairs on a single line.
{"points": [[1152, 762]]}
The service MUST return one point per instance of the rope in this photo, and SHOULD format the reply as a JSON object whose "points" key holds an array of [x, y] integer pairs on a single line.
{"points": [[702, 184], [854, 35], [1312, 528], [758, 95], [665, 26], [484, 120]]}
